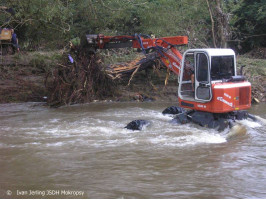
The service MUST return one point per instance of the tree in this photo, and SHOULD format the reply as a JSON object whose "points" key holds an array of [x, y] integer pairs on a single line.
{"points": [[44, 22], [39, 22], [220, 23], [250, 24]]}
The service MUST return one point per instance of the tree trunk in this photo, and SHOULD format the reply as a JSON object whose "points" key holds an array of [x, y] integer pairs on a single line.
{"points": [[212, 21], [223, 24]]}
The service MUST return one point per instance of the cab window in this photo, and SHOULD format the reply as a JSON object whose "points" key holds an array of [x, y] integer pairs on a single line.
{"points": [[202, 70], [222, 67]]}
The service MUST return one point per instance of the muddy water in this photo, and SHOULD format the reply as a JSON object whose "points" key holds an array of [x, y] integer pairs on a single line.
{"points": [[83, 151]]}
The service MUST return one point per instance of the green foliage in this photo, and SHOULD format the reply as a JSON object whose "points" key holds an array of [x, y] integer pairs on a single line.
{"points": [[41, 61], [43, 24], [39, 23], [118, 55], [250, 22]]}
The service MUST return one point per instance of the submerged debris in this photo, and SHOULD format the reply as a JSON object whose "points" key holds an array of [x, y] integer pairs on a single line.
{"points": [[138, 124], [173, 110]]}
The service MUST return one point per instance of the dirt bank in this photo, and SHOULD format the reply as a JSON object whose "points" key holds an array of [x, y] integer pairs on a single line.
{"points": [[21, 84]]}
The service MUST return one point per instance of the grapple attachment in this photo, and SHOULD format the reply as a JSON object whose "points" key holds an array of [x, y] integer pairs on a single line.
{"points": [[92, 39]]}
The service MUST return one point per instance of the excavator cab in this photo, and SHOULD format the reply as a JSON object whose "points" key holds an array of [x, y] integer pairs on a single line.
{"points": [[209, 82]]}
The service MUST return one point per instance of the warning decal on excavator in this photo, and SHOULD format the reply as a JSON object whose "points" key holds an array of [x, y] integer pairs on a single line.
{"points": [[174, 63], [227, 95], [224, 101]]}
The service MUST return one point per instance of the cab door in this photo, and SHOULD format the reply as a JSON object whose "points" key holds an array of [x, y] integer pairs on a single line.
{"points": [[202, 77]]}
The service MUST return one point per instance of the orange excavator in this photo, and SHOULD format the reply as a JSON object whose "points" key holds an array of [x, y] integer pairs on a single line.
{"points": [[210, 93]]}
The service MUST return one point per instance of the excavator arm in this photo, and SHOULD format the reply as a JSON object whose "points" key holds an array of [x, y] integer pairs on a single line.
{"points": [[164, 47]]}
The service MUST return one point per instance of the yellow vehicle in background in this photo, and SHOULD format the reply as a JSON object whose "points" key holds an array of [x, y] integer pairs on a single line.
{"points": [[6, 46], [5, 41]]}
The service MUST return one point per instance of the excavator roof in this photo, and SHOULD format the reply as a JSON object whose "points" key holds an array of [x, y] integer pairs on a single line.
{"points": [[214, 52]]}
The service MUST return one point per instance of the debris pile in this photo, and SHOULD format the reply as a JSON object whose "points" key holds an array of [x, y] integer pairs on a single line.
{"points": [[119, 70], [78, 80], [129, 69], [83, 77]]}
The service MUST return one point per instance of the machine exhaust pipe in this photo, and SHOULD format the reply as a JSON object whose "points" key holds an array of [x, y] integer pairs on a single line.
{"points": [[241, 69]]}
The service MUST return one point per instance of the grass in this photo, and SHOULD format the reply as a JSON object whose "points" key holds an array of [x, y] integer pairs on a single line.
{"points": [[255, 73], [114, 56], [253, 66], [42, 61]]}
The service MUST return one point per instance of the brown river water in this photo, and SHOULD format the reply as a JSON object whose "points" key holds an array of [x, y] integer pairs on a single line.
{"points": [[83, 151]]}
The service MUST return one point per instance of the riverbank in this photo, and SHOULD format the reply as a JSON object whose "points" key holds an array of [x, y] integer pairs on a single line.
{"points": [[23, 77]]}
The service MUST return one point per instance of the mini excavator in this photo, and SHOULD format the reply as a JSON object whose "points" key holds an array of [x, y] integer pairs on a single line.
{"points": [[210, 93]]}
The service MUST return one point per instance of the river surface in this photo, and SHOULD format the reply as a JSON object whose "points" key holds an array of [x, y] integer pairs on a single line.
{"points": [[83, 151]]}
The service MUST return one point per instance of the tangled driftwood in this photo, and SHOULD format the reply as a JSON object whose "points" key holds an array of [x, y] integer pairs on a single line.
{"points": [[86, 78], [129, 69], [78, 82]]}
